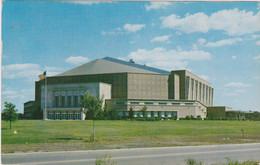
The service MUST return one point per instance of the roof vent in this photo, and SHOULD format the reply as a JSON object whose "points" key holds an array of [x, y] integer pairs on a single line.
{"points": [[131, 61]]}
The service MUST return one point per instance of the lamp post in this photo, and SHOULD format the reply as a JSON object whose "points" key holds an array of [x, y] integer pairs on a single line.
{"points": [[243, 134]]}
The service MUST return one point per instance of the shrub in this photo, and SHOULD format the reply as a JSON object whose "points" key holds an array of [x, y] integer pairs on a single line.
{"points": [[105, 161], [173, 118], [150, 119], [131, 112], [158, 118], [144, 111], [199, 117], [187, 118], [190, 161]]}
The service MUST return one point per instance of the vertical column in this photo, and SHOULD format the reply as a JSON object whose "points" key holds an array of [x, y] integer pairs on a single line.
{"points": [[207, 95], [201, 94], [212, 92], [210, 96], [204, 94], [190, 90]]}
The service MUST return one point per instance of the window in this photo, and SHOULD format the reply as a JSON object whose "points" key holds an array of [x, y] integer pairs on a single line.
{"points": [[162, 103], [70, 115], [119, 102], [57, 115], [62, 101], [50, 115], [174, 114], [162, 114], [148, 103], [69, 101], [81, 98], [187, 87], [134, 103], [75, 101], [175, 103], [192, 88], [189, 104], [56, 101], [168, 114], [77, 115], [64, 115]]}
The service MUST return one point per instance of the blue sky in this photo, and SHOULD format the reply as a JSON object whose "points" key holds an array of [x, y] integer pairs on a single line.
{"points": [[218, 41]]}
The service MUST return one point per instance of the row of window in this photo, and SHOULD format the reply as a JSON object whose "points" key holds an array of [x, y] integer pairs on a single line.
{"points": [[151, 114], [67, 101], [64, 115], [152, 103]]}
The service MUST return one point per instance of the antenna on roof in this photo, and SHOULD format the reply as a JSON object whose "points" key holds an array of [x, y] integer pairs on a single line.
{"points": [[131, 61]]}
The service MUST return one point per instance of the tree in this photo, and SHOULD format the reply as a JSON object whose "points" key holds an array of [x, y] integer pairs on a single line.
{"points": [[144, 111], [10, 113], [92, 108], [131, 112]]}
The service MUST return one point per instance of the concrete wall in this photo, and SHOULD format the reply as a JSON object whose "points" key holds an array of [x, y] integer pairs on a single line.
{"points": [[193, 87], [147, 86], [216, 111], [183, 109]]}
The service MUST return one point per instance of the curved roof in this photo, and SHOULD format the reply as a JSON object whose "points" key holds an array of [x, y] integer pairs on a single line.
{"points": [[111, 65]]}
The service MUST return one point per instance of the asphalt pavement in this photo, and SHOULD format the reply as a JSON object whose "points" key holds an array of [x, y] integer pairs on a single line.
{"points": [[141, 156]]}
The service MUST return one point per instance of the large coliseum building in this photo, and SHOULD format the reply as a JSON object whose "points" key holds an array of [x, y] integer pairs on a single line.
{"points": [[123, 84]]}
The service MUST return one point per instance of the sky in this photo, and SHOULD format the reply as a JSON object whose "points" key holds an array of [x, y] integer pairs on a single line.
{"points": [[218, 41]]}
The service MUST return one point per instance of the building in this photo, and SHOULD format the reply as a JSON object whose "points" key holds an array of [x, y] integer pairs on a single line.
{"points": [[123, 84]]}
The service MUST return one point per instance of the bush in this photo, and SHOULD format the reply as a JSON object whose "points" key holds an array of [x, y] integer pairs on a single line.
{"points": [[150, 119], [199, 117], [158, 118], [187, 118], [190, 161], [140, 119], [173, 118]]}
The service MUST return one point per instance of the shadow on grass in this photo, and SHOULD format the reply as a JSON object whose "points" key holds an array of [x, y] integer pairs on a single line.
{"points": [[66, 138], [4, 129]]}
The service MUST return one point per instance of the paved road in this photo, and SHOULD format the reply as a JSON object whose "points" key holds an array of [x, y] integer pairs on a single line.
{"points": [[150, 156]]}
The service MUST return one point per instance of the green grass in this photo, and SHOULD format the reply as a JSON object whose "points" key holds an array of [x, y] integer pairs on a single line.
{"points": [[36, 135]]}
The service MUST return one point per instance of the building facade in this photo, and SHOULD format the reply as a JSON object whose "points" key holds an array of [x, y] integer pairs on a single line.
{"points": [[124, 84]]}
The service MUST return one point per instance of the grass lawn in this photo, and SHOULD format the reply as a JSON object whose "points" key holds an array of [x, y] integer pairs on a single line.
{"points": [[38, 135]]}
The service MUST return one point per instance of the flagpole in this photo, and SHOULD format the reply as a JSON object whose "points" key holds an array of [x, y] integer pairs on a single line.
{"points": [[45, 111]]}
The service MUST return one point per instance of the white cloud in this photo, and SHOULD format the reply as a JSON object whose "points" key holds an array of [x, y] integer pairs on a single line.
{"points": [[233, 22], [234, 57], [28, 71], [257, 58], [198, 22], [204, 77], [117, 31], [133, 27], [237, 85], [52, 71], [255, 36], [77, 60], [161, 38], [258, 42], [201, 41], [10, 94], [168, 59], [240, 91], [158, 5], [223, 42]]}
